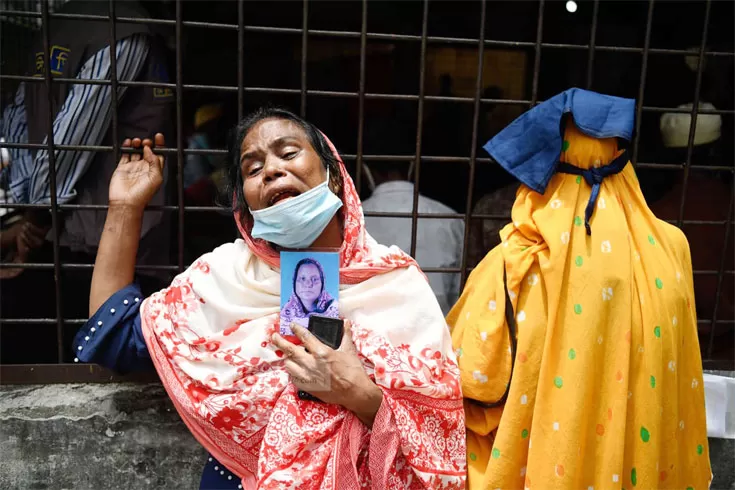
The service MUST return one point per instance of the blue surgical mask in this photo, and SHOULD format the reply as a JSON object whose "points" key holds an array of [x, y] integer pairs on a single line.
{"points": [[297, 222]]}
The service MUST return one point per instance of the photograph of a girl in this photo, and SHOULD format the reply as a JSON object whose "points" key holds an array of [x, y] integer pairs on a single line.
{"points": [[312, 292]]}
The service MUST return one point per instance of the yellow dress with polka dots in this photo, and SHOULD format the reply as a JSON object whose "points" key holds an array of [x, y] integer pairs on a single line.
{"points": [[606, 389]]}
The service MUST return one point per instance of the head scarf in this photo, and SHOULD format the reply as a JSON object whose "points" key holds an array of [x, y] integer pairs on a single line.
{"points": [[295, 308], [209, 338], [605, 389]]}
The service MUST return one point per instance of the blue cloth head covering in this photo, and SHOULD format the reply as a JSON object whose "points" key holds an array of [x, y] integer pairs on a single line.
{"points": [[530, 146]]}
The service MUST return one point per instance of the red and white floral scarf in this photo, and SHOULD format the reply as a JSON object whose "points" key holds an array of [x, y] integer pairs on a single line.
{"points": [[209, 338]]}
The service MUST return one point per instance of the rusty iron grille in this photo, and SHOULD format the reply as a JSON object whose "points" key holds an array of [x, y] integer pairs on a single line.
{"points": [[38, 16]]}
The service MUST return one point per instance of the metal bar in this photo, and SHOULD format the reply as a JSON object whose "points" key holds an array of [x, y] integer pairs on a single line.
{"points": [[361, 98], [11, 374], [695, 111], [113, 80], [355, 35], [55, 221], [721, 273], [473, 145], [419, 128], [347, 156], [240, 59], [593, 38], [304, 52], [329, 93], [179, 135], [642, 86], [44, 266], [537, 55]]}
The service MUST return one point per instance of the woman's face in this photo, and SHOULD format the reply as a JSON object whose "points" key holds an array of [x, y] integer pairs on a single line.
{"points": [[278, 163], [308, 284]]}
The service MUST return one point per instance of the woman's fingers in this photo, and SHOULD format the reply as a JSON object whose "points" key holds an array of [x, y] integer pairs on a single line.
{"points": [[297, 373], [160, 141], [347, 344], [125, 157], [311, 343], [136, 144], [290, 351], [150, 157]]}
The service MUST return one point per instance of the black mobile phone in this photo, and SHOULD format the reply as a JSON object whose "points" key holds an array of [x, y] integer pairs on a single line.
{"points": [[329, 331]]}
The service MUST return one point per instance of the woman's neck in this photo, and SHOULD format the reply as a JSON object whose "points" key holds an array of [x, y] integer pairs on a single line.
{"points": [[331, 237]]}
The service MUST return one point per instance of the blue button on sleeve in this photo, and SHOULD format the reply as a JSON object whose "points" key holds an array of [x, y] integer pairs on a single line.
{"points": [[113, 337]]}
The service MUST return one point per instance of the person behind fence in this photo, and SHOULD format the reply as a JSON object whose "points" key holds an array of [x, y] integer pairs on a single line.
{"points": [[310, 295], [391, 415], [82, 114], [438, 241], [577, 336]]}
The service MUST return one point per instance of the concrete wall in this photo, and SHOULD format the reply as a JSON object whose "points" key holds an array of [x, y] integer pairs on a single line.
{"points": [[128, 436]]}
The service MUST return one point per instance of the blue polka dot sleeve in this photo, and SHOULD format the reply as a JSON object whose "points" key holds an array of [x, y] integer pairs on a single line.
{"points": [[113, 337]]}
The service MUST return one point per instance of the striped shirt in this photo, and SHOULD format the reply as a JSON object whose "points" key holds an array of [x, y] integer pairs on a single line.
{"points": [[82, 120]]}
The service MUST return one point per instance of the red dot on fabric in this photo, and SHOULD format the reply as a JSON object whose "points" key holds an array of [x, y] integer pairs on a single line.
{"points": [[279, 353], [264, 344]]}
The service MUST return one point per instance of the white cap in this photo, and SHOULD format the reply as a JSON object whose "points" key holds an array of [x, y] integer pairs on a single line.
{"points": [[675, 127]]}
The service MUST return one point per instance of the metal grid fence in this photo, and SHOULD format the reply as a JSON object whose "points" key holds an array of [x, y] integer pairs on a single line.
{"points": [[43, 15]]}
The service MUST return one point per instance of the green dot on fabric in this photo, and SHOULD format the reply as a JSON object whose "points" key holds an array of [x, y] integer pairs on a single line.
{"points": [[633, 477], [524, 249], [653, 381], [700, 449], [659, 283], [651, 240], [524, 434], [645, 435], [690, 488], [579, 179], [473, 456], [578, 261], [578, 309], [565, 145], [460, 352], [577, 221], [558, 382], [496, 453], [657, 331], [572, 354]]}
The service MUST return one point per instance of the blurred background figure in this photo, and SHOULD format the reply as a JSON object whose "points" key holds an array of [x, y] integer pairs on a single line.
{"points": [[81, 116], [438, 241]]}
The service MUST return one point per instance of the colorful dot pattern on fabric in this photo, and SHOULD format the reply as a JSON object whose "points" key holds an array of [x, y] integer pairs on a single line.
{"points": [[645, 435], [496, 453], [473, 456], [590, 286]]}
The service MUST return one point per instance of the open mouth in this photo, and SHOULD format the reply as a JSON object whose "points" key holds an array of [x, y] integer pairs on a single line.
{"points": [[281, 197]]}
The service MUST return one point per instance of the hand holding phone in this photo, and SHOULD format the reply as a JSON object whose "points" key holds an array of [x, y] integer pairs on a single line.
{"points": [[329, 331]]}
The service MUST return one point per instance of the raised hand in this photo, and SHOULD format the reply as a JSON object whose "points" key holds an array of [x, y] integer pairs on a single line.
{"points": [[137, 178]]}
